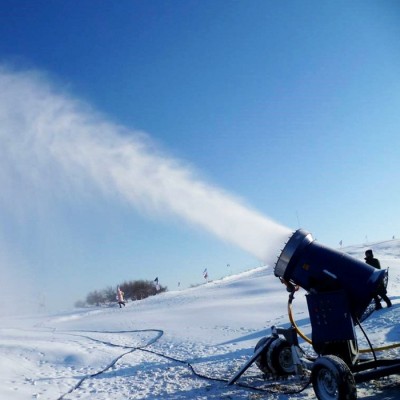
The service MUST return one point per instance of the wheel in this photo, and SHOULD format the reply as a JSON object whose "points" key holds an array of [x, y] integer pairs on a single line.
{"points": [[332, 379], [279, 357], [261, 361]]}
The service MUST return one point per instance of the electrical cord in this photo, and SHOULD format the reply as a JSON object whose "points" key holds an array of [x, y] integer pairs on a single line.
{"points": [[224, 380], [264, 389], [113, 362], [367, 338]]}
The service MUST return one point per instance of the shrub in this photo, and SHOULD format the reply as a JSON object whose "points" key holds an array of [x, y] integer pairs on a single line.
{"points": [[133, 290]]}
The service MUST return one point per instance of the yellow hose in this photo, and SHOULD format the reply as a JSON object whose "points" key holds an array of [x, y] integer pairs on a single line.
{"points": [[308, 340], [293, 322]]}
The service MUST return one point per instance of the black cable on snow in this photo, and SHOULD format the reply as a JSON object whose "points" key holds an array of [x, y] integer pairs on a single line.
{"points": [[143, 348], [224, 380], [95, 374], [113, 362]]}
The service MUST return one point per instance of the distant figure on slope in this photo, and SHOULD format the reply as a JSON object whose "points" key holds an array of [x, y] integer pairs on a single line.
{"points": [[374, 262], [120, 297]]}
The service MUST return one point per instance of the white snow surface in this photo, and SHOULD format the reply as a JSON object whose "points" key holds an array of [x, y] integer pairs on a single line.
{"points": [[179, 345]]}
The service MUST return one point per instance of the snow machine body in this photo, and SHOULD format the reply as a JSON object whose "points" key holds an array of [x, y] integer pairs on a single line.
{"points": [[339, 289]]}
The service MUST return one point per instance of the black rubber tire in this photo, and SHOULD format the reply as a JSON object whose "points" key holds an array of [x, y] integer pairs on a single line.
{"points": [[261, 361], [332, 379], [279, 358]]}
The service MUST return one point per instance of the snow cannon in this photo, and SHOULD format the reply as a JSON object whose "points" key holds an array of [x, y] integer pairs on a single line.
{"points": [[340, 295], [340, 288], [319, 269]]}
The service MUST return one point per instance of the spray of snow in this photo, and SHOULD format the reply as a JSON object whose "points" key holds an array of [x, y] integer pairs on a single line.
{"points": [[55, 145], [56, 150]]}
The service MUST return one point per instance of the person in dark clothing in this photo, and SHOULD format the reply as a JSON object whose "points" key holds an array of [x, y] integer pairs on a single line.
{"points": [[381, 294]]}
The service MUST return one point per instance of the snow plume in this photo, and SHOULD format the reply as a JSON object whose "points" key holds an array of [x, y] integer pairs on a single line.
{"points": [[52, 143]]}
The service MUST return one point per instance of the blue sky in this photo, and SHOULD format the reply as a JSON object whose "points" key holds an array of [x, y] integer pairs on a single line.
{"points": [[290, 106]]}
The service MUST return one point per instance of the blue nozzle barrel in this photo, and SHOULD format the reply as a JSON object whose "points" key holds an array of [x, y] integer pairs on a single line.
{"points": [[318, 269]]}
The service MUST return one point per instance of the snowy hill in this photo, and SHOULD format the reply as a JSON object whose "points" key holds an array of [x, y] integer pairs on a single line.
{"points": [[177, 345]]}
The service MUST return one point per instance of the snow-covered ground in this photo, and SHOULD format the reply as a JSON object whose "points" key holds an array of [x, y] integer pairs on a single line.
{"points": [[177, 345]]}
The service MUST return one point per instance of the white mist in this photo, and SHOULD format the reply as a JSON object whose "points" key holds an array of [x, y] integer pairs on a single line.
{"points": [[51, 141]]}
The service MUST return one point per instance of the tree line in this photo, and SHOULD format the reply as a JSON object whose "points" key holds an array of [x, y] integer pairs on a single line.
{"points": [[133, 290]]}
